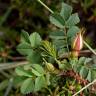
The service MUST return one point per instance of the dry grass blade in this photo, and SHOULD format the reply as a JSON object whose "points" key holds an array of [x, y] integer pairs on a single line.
{"points": [[5, 66]]}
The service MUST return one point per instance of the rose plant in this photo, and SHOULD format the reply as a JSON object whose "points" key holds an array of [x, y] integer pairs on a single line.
{"points": [[54, 66]]}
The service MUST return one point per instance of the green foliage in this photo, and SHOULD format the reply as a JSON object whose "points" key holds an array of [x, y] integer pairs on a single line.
{"points": [[72, 31], [35, 39], [34, 56], [66, 11], [57, 20], [29, 46], [37, 70], [40, 53], [32, 78], [57, 35], [48, 49], [25, 36], [21, 72], [66, 21], [85, 68], [73, 20], [40, 82], [59, 39], [27, 86], [65, 18], [18, 80], [24, 48]]}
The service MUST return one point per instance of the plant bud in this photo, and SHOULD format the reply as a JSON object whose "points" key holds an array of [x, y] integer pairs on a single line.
{"points": [[77, 43], [50, 67]]}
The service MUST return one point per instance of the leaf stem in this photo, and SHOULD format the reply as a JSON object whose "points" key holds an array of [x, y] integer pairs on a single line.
{"points": [[65, 31], [45, 6], [89, 47], [85, 87]]}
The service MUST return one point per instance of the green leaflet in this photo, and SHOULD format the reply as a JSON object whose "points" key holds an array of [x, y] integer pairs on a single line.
{"points": [[27, 86]]}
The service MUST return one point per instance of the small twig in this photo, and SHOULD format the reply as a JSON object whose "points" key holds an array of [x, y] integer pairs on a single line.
{"points": [[85, 87], [45, 6], [5, 66], [89, 47], [85, 53], [16, 58], [4, 74], [9, 87]]}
